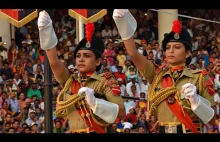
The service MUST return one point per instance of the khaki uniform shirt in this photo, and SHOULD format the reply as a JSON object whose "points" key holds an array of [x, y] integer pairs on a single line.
{"points": [[76, 122], [163, 112]]}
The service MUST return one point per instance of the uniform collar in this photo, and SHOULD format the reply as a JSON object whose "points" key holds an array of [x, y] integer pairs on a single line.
{"points": [[186, 72], [93, 75]]}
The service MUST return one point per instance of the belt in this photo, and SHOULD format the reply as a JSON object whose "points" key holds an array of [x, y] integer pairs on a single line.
{"points": [[170, 127], [82, 131]]}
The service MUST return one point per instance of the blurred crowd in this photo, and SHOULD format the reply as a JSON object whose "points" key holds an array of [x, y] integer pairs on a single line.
{"points": [[22, 69]]}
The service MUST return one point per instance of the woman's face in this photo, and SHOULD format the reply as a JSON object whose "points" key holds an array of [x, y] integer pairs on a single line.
{"points": [[8, 118], [176, 53], [5, 105], [127, 130], [22, 97], [38, 69], [141, 130], [86, 61], [109, 46], [153, 118], [23, 49], [143, 117], [4, 96], [58, 125]]}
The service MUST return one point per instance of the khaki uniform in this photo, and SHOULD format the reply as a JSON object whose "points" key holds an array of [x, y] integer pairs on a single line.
{"points": [[105, 92], [163, 112]]}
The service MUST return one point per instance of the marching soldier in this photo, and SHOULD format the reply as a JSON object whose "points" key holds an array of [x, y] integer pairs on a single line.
{"points": [[178, 96], [89, 100]]}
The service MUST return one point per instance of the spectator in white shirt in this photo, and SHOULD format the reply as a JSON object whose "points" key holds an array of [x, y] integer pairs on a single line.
{"points": [[16, 80], [4, 53], [128, 87], [217, 100], [107, 32], [122, 87], [144, 84], [216, 81], [114, 67], [38, 63], [66, 21], [115, 32], [128, 105]]}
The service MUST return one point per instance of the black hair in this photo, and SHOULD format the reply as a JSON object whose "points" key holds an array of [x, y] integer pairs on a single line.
{"points": [[97, 55]]}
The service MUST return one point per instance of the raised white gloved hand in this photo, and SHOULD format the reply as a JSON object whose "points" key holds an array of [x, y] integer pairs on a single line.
{"points": [[43, 19], [106, 110], [199, 105], [47, 35], [125, 23], [190, 92]]}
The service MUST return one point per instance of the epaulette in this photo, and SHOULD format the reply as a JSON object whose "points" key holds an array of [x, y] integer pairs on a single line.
{"points": [[107, 75], [112, 83], [208, 83], [204, 72], [210, 86]]}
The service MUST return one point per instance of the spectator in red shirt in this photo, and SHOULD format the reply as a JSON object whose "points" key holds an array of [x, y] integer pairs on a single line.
{"points": [[131, 117], [120, 74]]}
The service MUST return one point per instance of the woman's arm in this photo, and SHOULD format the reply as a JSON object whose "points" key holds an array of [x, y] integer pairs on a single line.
{"points": [[58, 68], [127, 25], [48, 42]]}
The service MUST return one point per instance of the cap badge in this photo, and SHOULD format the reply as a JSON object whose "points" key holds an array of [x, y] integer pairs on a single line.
{"points": [[176, 36], [88, 45]]}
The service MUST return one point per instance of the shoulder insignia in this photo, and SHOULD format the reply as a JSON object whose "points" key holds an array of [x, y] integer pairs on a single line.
{"points": [[163, 66], [111, 82], [107, 75], [208, 82], [210, 85], [204, 72], [116, 90], [211, 91]]}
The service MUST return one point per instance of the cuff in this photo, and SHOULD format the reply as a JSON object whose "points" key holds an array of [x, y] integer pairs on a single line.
{"points": [[106, 110], [203, 110]]}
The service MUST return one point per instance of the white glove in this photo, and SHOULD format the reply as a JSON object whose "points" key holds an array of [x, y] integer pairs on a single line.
{"points": [[89, 96], [47, 35], [199, 105], [190, 92], [125, 23], [106, 110]]}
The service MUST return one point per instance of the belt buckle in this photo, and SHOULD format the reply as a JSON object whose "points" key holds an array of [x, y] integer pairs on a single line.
{"points": [[171, 129]]}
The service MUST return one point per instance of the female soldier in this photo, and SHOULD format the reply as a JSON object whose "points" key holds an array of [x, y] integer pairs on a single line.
{"points": [[89, 100], [177, 94]]}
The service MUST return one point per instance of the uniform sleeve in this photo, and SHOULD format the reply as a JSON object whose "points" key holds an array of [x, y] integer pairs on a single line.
{"points": [[208, 92], [112, 91], [149, 71]]}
